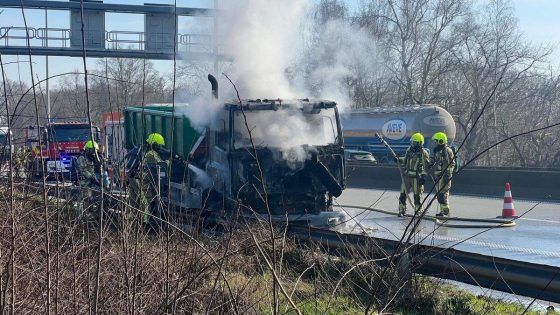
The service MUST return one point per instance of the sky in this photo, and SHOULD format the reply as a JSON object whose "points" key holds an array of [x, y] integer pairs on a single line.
{"points": [[538, 20]]}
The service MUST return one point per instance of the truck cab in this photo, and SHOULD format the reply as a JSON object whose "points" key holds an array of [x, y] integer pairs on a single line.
{"points": [[282, 156], [61, 144], [290, 151]]}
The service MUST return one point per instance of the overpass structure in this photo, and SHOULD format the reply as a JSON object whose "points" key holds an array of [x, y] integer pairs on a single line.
{"points": [[159, 40]]}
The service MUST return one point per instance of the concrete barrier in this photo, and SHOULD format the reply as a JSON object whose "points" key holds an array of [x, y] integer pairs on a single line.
{"points": [[532, 184]]}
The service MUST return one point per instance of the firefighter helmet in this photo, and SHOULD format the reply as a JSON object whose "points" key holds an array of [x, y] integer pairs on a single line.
{"points": [[440, 138], [91, 145], [418, 138], [155, 138]]}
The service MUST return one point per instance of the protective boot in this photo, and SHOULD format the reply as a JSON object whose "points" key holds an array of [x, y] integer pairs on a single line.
{"points": [[402, 209], [443, 211], [417, 204], [402, 204]]}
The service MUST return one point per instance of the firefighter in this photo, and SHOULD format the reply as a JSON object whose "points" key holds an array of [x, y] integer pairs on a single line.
{"points": [[88, 167], [144, 197], [416, 162], [20, 161], [444, 165]]}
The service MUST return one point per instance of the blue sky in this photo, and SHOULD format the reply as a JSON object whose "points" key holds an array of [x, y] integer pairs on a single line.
{"points": [[538, 20]]}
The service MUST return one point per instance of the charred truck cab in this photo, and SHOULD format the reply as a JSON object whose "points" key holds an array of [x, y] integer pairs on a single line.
{"points": [[284, 153], [282, 156]]}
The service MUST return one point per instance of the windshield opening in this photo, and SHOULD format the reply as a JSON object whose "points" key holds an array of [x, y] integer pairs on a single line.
{"points": [[69, 133], [286, 128]]}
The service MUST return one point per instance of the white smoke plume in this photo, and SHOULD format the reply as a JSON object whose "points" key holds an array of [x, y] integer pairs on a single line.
{"points": [[341, 53], [278, 52], [264, 38], [201, 110], [287, 128]]}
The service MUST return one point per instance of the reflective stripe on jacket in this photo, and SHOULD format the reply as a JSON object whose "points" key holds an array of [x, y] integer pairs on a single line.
{"points": [[443, 161], [86, 168], [416, 162]]}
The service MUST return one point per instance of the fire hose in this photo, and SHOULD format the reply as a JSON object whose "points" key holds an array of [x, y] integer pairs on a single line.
{"points": [[489, 223]]}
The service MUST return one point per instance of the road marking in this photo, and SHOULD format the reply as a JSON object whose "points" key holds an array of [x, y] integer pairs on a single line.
{"points": [[491, 245], [428, 237], [539, 220]]}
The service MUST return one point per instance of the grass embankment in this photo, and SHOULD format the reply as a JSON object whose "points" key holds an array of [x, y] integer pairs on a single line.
{"points": [[186, 273], [314, 292]]}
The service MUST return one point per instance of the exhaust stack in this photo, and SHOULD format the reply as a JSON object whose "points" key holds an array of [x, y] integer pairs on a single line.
{"points": [[214, 84]]}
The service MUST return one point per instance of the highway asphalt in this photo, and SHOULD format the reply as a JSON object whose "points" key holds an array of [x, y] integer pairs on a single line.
{"points": [[535, 238]]}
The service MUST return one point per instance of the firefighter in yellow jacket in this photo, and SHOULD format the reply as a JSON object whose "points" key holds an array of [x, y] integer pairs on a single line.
{"points": [[444, 164], [88, 168], [141, 187], [416, 162]]}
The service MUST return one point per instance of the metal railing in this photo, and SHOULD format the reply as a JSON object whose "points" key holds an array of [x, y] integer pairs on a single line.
{"points": [[61, 35], [506, 275], [196, 42], [125, 40], [15, 33], [114, 40]]}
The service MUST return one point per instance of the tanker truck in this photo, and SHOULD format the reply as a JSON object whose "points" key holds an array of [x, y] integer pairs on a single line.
{"points": [[396, 124], [282, 156]]}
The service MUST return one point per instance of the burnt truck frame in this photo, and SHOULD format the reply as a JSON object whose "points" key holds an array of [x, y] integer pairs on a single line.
{"points": [[262, 177], [218, 173]]}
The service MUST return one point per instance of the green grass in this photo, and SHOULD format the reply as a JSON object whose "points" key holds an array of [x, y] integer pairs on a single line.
{"points": [[450, 300]]}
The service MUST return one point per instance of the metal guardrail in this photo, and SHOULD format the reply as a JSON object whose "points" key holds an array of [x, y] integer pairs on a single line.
{"points": [[511, 276], [531, 184]]}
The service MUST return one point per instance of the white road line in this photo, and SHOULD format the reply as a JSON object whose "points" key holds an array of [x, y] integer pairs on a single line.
{"points": [[492, 245], [539, 220]]}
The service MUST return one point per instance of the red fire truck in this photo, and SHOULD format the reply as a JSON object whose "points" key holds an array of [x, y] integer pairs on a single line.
{"points": [[61, 144]]}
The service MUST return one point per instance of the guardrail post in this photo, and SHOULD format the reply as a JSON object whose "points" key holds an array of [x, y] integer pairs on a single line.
{"points": [[404, 273]]}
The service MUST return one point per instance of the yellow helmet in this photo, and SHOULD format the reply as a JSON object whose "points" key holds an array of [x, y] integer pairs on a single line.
{"points": [[417, 137], [440, 138], [91, 145], [155, 138]]}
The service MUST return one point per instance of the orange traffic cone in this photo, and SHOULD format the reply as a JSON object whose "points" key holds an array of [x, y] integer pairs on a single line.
{"points": [[508, 210]]}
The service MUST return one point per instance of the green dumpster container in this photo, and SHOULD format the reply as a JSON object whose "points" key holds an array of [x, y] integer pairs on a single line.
{"points": [[139, 122]]}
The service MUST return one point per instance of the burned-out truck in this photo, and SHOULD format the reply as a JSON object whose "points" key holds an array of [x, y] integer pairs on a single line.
{"points": [[285, 156]]}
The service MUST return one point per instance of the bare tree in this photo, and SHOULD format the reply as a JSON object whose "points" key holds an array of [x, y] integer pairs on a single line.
{"points": [[492, 54]]}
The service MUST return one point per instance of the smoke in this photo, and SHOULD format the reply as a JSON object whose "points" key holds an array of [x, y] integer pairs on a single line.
{"points": [[264, 38], [201, 110], [293, 132], [341, 56], [201, 177], [279, 50], [287, 128]]}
